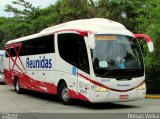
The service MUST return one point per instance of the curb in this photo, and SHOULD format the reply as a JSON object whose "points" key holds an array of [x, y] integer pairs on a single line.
{"points": [[152, 96]]}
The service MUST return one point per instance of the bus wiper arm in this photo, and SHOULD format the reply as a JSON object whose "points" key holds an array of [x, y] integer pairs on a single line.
{"points": [[108, 72]]}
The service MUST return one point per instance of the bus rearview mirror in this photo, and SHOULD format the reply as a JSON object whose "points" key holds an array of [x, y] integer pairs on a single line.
{"points": [[91, 41], [147, 39]]}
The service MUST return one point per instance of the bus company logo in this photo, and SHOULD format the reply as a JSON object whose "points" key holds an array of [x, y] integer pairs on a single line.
{"points": [[42, 62], [123, 85]]}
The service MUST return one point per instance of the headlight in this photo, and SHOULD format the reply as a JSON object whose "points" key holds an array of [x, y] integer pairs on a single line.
{"points": [[98, 88], [142, 87]]}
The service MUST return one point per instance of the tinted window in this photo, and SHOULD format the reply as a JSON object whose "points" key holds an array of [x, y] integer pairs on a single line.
{"points": [[7, 55], [39, 45], [117, 56], [73, 50], [11, 52]]}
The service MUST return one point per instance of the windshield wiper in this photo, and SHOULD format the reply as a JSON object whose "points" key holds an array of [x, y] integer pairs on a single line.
{"points": [[108, 72]]}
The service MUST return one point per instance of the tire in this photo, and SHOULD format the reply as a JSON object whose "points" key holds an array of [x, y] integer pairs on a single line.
{"points": [[64, 94], [17, 87]]}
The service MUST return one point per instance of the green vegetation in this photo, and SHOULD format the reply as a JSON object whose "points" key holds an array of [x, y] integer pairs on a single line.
{"points": [[137, 15]]}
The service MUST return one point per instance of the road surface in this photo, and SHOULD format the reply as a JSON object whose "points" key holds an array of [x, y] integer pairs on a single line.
{"points": [[34, 102]]}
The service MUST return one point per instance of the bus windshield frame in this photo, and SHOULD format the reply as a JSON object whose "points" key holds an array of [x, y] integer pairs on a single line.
{"points": [[117, 56]]}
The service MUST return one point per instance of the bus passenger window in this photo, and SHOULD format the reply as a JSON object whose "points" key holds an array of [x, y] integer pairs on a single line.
{"points": [[67, 45], [72, 49]]}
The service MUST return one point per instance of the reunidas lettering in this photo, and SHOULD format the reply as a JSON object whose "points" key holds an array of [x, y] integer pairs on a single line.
{"points": [[39, 63]]}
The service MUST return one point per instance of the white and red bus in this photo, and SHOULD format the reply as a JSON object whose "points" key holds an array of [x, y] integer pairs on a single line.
{"points": [[2, 54], [95, 60]]}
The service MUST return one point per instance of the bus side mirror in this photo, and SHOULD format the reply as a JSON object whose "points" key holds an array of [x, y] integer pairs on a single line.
{"points": [[147, 39], [91, 40]]}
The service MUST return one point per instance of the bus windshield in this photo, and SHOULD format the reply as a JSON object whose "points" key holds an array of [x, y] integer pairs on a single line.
{"points": [[117, 56]]}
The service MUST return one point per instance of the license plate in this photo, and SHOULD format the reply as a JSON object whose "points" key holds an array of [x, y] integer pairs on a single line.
{"points": [[123, 97]]}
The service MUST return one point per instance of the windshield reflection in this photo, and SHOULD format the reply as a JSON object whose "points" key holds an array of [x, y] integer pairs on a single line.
{"points": [[117, 55]]}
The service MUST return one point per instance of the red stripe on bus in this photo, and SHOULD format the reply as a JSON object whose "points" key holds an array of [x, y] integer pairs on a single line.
{"points": [[27, 82], [74, 95], [82, 32], [101, 85], [147, 38], [14, 46]]}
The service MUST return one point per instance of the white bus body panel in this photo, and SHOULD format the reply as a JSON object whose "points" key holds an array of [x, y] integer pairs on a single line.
{"points": [[79, 84]]}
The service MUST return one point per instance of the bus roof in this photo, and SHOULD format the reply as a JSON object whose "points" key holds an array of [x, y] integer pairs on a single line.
{"points": [[96, 25]]}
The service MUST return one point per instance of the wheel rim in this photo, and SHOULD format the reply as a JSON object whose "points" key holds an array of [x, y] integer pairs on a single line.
{"points": [[65, 94], [17, 86]]}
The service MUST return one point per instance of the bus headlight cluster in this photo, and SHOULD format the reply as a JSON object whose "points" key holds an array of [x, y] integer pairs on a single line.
{"points": [[98, 88], [142, 87]]}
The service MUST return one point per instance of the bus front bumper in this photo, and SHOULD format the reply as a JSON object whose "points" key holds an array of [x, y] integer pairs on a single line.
{"points": [[113, 96]]}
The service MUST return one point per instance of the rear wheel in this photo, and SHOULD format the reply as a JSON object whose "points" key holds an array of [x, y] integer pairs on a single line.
{"points": [[17, 86], [64, 94]]}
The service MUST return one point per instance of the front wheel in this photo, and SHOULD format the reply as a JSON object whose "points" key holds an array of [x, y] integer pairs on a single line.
{"points": [[64, 94]]}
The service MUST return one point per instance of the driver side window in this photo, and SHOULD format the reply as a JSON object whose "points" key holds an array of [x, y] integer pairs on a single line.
{"points": [[72, 49]]}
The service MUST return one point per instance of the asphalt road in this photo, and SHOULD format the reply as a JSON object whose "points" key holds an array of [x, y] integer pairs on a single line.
{"points": [[33, 102]]}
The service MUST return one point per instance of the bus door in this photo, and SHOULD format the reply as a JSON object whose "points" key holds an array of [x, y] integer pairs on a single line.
{"points": [[83, 69], [73, 62]]}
